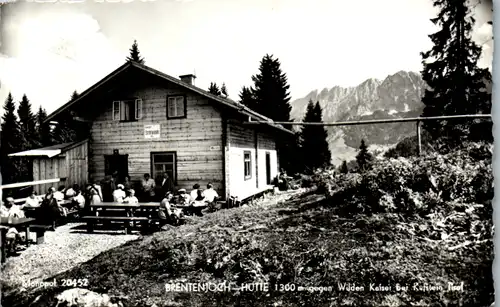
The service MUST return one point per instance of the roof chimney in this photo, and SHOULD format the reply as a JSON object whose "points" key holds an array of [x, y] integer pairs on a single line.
{"points": [[189, 79]]}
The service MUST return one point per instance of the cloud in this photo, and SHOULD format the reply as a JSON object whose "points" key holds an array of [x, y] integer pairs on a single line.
{"points": [[56, 54]]}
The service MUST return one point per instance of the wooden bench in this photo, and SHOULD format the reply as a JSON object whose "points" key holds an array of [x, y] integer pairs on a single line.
{"points": [[91, 220], [40, 232]]}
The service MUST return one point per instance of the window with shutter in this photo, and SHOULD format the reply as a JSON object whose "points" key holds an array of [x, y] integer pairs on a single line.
{"points": [[116, 110], [138, 108], [176, 107], [127, 110]]}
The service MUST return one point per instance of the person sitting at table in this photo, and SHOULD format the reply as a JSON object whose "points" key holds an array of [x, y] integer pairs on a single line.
{"points": [[131, 199], [194, 192], [59, 194], [167, 213], [11, 210], [200, 199], [71, 191], [31, 204], [119, 194], [210, 194], [184, 198], [79, 200], [32, 201]]}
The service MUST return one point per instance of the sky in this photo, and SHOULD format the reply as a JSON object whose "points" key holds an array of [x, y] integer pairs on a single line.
{"points": [[48, 50]]}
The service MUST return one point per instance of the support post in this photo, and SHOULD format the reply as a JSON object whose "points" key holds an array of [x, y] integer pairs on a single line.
{"points": [[419, 139]]}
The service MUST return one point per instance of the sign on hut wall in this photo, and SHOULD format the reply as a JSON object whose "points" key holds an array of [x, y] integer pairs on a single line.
{"points": [[152, 131]]}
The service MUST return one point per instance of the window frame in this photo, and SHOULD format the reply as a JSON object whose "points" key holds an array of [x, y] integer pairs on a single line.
{"points": [[184, 98], [152, 166], [135, 103], [249, 153]]}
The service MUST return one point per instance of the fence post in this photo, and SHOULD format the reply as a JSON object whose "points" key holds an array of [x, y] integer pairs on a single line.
{"points": [[419, 139]]}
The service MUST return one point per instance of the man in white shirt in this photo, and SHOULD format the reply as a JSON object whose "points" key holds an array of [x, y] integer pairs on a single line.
{"points": [[71, 191], [59, 194], [10, 209], [32, 201], [79, 199], [210, 194]]}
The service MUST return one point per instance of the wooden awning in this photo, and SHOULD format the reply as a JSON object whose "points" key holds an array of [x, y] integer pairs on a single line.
{"points": [[50, 151], [37, 153]]}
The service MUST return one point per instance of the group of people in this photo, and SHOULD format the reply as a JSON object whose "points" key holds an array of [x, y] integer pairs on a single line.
{"points": [[56, 204], [46, 209], [192, 202]]}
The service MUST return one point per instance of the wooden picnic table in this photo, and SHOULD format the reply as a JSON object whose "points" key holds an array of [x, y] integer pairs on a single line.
{"points": [[129, 208], [18, 222], [125, 205], [110, 211]]}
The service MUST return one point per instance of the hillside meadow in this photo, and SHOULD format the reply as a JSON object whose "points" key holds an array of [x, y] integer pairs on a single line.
{"points": [[408, 232]]}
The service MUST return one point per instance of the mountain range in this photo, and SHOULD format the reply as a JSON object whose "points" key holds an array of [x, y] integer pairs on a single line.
{"points": [[398, 95]]}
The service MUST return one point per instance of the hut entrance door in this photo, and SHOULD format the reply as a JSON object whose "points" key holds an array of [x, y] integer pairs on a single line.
{"points": [[268, 168], [116, 163]]}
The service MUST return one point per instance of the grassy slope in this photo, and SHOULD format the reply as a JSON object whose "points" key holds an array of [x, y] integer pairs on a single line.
{"points": [[276, 244]]}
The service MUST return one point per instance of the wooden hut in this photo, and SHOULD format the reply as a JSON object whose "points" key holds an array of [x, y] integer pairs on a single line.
{"points": [[144, 121], [68, 161]]}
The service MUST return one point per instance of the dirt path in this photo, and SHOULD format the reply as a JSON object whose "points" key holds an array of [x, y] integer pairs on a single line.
{"points": [[64, 248]]}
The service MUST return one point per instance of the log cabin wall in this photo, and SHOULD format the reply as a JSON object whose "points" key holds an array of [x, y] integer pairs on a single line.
{"points": [[196, 139], [71, 166], [258, 143], [77, 166]]}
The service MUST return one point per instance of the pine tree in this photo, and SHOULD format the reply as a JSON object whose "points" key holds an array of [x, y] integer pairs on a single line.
{"points": [[27, 124], [324, 154], [271, 91], [315, 151], [67, 129], [74, 95], [44, 137], [247, 98], [456, 84], [10, 141], [272, 99], [343, 167], [363, 158], [214, 89], [135, 54], [223, 89]]}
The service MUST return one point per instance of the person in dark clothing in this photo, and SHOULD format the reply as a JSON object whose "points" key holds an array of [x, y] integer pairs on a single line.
{"points": [[114, 181], [166, 184], [283, 184], [50, 212], [107, 191]]}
